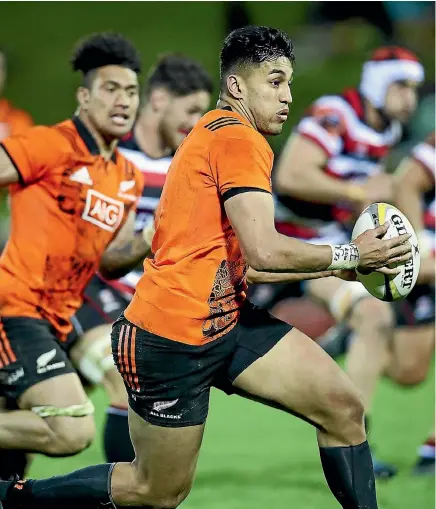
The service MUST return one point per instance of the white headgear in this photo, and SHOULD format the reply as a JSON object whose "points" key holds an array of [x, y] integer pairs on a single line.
{"points": [[386, 66]]}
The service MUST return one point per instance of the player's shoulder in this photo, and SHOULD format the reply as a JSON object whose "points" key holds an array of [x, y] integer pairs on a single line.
{"points": [[222, 125], [62, 135]]}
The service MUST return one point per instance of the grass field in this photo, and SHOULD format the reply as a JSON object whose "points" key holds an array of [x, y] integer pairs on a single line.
{"points": [[258, 458]]}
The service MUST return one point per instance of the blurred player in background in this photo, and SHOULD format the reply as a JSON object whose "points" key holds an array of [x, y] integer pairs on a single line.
{"points": [[12, 120], [189, 326], [176, 95], [73, 201], [330, 169], [415, 340]]}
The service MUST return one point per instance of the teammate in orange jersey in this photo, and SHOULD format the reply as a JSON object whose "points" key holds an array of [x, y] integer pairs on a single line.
{"points": [[71, 212], [189, 326], [175, 96], [12, 120]]}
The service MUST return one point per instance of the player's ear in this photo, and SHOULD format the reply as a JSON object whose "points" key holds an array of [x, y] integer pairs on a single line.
{"points": [[235, 86], [82, 96], [159, 99]]}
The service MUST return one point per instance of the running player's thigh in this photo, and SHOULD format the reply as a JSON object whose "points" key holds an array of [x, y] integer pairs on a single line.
{"points": [[412, 351], [60, 392], [323, 289], [166, 457], [297, 376]]}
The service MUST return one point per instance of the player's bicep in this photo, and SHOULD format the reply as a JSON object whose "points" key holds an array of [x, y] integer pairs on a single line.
{"points": [[251, 214], [8, 172], [413, 177]]}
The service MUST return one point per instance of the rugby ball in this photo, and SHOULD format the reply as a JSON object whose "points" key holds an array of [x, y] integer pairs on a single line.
{"points": [[389, 288]]}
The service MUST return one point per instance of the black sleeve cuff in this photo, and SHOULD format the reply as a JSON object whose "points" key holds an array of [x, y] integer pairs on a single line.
{"points": [[20, 177], [238, 190]]}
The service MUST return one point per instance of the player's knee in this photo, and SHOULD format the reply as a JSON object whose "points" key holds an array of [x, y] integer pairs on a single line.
{"points": [[346, 417], [410, 375], [71, 439], [372, 315], [171, 498]]}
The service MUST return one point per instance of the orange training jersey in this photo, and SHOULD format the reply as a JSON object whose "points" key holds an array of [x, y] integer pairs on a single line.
{"points": [[12, 120], [194, 287], [68, 206]]}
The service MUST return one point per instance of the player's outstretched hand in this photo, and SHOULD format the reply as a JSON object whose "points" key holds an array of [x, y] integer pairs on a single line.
{"points": [[379, 255]]}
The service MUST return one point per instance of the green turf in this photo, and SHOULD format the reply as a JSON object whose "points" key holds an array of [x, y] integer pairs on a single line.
{"points": [[258, 458]]}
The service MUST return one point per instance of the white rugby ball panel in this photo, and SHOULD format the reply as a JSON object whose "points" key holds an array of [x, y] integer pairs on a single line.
{"points": [[389, 288]]}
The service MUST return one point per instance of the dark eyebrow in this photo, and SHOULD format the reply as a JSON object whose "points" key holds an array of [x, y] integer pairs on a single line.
{"points": [[117, 84], [277, 71]]}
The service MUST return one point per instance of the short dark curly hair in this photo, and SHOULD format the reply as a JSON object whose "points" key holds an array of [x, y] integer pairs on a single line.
{"points": [[180, 75], [252, 45], [103, 49]]}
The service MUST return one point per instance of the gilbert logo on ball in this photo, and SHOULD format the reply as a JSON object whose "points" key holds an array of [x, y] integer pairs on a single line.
{"points": [[389, 288]]}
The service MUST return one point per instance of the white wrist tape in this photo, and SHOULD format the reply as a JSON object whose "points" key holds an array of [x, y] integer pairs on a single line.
{"points": [[345, 256]]}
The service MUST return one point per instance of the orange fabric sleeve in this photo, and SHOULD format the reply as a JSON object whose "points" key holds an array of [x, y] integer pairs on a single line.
{"points": [[34, 151], [239, 162]]}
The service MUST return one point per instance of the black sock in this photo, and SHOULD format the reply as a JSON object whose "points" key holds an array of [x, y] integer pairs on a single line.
{"points": [[350, 475], [12, 462], [85, 489], [117, 444]]}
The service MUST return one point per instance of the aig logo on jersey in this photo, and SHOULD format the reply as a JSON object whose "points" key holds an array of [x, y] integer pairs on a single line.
{"points": [[103, 211]]}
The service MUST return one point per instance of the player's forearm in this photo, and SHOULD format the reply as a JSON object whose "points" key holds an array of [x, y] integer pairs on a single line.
{"points": [[119, 261], [427, 271], [256, 277], [315, 185], [286, 254], [409, 201]]}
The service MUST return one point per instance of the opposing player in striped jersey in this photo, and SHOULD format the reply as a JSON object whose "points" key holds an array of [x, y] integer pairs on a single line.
{"points": [[415, 340], [331, 168], [177, 94]]}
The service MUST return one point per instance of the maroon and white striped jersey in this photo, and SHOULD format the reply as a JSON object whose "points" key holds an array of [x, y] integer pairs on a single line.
{"points": [[155, 172], [425, 154], [354, 151]]}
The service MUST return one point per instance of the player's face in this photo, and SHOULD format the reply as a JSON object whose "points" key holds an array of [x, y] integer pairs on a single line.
{"points": [[267, 92], [112, 101], [180, 116], [2, 72], [401, 100]]}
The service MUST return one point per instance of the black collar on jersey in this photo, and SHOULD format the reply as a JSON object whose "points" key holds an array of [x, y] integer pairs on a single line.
{"points": [[88, 139]]}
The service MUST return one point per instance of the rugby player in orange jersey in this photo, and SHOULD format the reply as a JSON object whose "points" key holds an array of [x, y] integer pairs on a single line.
{"points": [[70, 213], [189, 325], [176, 94]]}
